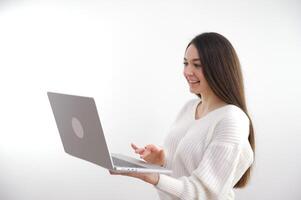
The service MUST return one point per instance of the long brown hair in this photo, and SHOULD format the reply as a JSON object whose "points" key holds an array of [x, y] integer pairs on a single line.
{"points": [[221, 68]]}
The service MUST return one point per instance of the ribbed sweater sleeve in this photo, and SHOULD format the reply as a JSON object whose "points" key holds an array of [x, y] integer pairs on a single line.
{"points": [[214, 176]]}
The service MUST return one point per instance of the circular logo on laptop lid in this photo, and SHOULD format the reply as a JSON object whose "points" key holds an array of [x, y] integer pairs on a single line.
{"points": [[77, 127]]}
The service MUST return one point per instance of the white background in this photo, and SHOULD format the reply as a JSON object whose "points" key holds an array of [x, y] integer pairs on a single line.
{"points": [[128, 55]]}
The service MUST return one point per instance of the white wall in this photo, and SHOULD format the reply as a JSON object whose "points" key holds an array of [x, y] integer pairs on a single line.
{"points": [[128, 55]]}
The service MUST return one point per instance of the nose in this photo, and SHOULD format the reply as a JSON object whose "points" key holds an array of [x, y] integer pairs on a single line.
{"points": [[188, 70]]}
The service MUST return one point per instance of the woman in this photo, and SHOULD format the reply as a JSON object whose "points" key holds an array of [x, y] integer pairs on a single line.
{"points": [[211, 143]]}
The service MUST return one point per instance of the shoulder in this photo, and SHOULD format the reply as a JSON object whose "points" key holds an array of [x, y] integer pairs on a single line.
{"points": [[234, 113], [232, 124]]}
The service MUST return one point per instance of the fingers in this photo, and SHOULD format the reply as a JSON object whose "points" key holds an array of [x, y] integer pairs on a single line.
{"points": [[134, 146], [148, 149], [146, 153], [137, 149], [153, 148], [140, 151]]}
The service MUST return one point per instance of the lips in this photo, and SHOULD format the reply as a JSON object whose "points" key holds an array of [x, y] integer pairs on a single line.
{"points": [[193, 82]]}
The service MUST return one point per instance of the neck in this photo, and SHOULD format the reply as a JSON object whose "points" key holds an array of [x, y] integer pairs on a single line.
{"points": [[210, 102]]}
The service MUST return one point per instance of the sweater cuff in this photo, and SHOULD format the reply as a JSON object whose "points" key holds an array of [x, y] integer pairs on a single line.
{"points": [[170, 185]]}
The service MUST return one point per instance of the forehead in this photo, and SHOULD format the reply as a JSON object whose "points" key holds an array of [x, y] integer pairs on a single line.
{"points": [[191, 52]]}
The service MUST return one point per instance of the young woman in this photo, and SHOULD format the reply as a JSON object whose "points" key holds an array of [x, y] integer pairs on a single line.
{"points": [[210, 146]]}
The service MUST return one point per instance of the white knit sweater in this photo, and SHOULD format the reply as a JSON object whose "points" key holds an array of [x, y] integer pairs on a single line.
{"points": [[207, 155]]}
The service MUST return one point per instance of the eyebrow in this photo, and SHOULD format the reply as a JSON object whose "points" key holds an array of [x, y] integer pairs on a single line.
{"points": [[195, 59]]}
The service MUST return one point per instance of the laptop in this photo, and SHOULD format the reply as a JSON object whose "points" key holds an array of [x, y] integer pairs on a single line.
{"points": [[82, 135]]}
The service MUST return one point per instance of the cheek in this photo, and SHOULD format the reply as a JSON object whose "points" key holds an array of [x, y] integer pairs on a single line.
{"points": [[200, 75], [203, 78], [203, 81]]}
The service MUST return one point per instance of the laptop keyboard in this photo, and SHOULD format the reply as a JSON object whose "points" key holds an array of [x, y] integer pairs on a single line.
{"points": [[123, 163]]}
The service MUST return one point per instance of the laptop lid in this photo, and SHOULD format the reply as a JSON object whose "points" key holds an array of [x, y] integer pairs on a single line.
{"points": [[80, 129]]}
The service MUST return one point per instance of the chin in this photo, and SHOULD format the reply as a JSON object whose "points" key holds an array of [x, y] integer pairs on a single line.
{"points": [[194, 91]]}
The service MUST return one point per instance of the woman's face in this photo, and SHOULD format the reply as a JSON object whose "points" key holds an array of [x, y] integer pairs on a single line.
{"points": [[193, 71]]}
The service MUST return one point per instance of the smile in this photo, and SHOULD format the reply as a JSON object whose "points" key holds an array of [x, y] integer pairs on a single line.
{"points": [[193, 82]]}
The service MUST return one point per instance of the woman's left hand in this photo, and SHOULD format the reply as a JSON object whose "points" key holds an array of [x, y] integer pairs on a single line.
{"points": [[152, 178]]}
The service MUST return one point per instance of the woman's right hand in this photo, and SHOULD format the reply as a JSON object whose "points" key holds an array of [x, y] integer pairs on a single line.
{"points": [[150, 153]]}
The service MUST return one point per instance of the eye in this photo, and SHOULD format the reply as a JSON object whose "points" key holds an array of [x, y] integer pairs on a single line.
{"points": [[197, 65], [185, 64]]}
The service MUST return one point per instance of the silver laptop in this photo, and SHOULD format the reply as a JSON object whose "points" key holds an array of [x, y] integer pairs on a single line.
{"points": [[82, 135]]}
